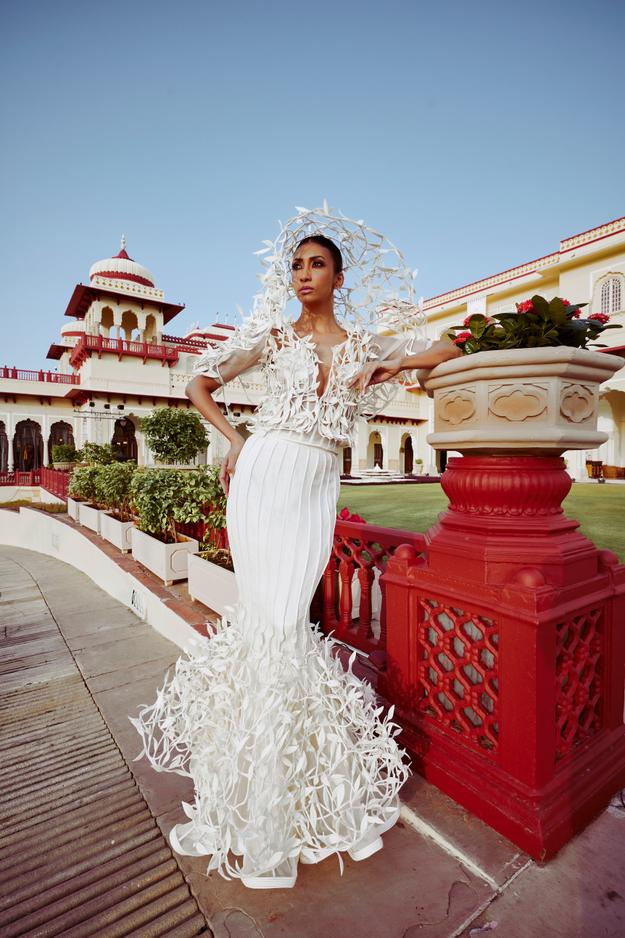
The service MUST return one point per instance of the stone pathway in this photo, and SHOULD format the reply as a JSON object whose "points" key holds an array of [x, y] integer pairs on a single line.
{"points": [[74, 663]]}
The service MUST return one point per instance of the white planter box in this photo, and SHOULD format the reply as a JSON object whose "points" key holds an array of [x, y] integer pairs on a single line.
{"points": [[89, 516], [211, 584], [169, 561], [115, 531], [72, 507]]}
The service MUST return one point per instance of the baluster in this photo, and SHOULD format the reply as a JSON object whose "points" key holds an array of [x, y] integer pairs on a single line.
{"points": [[329, 596], [365, 577], [346, 573]]}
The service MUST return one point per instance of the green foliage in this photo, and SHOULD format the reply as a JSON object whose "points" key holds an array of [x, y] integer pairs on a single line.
{"points": [[156, 496], [537, 323], [113, 488], [64, 452], [162, 497], [96, 454], [174, 434], [84, 483], [203, 497]]}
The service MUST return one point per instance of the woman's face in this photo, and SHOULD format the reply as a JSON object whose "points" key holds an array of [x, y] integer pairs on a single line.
{"points": [[312, 274]]}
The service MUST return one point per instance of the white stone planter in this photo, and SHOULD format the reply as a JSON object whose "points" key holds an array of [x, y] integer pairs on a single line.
{"points": [[72, 507], [539, 401], [89, 516], [115, 531], [169, 561], [211, 584]]}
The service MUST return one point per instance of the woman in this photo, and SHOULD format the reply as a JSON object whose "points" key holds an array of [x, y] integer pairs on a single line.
{"points": [[289, 755]]}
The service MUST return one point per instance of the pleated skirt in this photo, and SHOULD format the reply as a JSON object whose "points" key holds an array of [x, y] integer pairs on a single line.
{"points": [[291, 758]]}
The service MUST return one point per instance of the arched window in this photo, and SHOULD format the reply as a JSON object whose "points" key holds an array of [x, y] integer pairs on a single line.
{"points": [[611, 294]]}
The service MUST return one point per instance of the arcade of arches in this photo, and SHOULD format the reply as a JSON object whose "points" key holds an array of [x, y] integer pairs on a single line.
{"points": [[27, 445]]}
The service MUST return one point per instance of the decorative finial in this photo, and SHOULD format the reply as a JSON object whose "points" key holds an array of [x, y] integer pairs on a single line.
{"points": [[123, 244]]}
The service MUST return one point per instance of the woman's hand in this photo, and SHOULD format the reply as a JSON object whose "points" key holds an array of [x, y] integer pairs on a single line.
{"points": [[375, 373], [229, 463]]}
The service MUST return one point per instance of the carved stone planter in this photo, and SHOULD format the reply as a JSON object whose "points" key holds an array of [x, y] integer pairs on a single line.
{"points": [[116, 531], [213, 585], [539, 401], [89, 516], [168, 561]]}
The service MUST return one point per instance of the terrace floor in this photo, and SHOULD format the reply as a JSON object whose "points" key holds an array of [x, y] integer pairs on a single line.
{"points": [[83, 851]]}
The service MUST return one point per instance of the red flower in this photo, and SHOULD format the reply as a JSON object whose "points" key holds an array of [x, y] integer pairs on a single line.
{"points": [[600, 317], [467, 321], [566, 302], [462, 337], [525, 307]]}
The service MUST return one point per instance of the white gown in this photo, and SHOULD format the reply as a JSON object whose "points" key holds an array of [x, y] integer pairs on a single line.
{"points": [[291, 757]]}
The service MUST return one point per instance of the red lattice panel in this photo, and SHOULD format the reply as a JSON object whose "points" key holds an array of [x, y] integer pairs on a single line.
{"points": [[458, 671], [578, 678]]}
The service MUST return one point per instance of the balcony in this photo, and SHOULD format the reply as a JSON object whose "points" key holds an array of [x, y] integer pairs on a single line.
{"points": [[120, 347], [51, 377]]}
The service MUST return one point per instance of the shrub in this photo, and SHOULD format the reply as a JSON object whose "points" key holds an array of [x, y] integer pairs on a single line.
{"points": [[203, 498], [64, 452], [156, 495], [96, 454], [83, 483], [174, 435], [113, 488], [218, 555]]}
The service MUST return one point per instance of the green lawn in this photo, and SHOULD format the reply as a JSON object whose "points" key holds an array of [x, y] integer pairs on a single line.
{"points": [[600, 509]]}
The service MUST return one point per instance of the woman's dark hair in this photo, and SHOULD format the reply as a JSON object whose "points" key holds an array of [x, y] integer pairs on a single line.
{"points": [[337, 257]]}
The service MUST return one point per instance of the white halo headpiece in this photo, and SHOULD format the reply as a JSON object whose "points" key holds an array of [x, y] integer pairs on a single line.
{"points": [[379, 286]]}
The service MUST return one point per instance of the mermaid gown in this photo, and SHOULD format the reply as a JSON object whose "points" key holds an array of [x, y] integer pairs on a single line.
{"points": [[291, 758]]}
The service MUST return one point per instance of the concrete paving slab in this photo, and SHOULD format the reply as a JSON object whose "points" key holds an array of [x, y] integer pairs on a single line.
{"points": [[409, 888], [131, 675], [580, 894], [107, 636], [78, 624], [121, 654]]}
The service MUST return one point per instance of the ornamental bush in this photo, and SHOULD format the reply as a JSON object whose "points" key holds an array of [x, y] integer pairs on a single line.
{"points": [[64, 452], [113, 488], [537, 323], [83, 484], [97, 454], [174, 435]]}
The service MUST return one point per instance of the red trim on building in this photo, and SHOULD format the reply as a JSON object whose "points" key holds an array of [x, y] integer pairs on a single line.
{"points": [[121, 275]]}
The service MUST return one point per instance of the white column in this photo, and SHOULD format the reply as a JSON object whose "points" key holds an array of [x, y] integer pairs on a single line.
{"points": [[10, 428], [45, 433]]}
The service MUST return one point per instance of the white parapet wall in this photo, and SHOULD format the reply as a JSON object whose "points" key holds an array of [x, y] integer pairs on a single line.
{"points": [[35, 530], [30, 493]]}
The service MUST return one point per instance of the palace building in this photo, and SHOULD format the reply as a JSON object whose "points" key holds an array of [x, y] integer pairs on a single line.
{"points": [[118, 357]]}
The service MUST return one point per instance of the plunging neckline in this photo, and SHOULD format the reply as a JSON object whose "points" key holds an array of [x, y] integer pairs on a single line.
{"points": [[308, 341]]}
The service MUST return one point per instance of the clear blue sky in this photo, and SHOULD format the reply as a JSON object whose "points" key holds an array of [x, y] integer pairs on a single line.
{"points": [[475, 135]]}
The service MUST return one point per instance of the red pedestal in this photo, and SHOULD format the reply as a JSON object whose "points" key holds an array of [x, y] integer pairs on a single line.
{"points": [[506, 653]]}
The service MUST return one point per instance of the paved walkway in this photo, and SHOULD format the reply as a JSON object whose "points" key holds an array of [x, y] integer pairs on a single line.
{"points": [[81, 850]]}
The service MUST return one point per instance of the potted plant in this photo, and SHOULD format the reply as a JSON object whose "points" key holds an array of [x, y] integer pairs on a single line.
{"points": [[526, 382], [175, 436], [418, 466], [157, 497], [211, 573], [113, 493], [97, 454], [83, 496], [64, 456]]}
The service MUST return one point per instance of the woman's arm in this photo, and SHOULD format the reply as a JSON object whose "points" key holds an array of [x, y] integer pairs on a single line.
{"points": [[376, 372], [200, 392]]}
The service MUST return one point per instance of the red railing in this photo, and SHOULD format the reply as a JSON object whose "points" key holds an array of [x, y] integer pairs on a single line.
{"points": [[21, 478], [350, 601], [120, 347], [218, 537], [55, 481], [23, 374]]}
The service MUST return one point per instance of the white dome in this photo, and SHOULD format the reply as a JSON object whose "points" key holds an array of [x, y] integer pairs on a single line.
{"points": [[69, 328], [122, 267]]}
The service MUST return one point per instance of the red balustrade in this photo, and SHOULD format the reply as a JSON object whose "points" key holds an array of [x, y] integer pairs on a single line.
{"points": [[56, 481], [352, 603], [21, 478], [120, 347], [217, 537], [51, 377]]}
